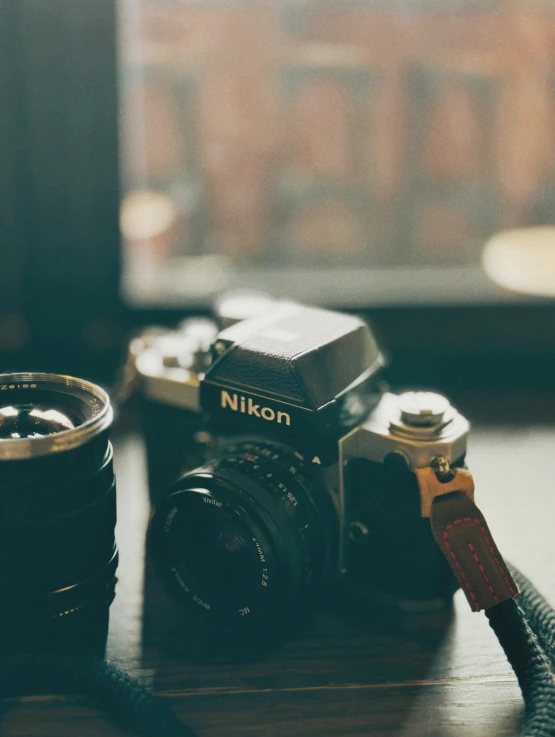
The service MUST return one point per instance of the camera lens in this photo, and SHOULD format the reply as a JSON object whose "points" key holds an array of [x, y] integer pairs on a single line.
{"points": [[244, 538], [57, 512]]}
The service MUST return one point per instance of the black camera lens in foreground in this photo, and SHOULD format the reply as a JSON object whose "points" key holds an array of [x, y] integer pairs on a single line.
{"points": [[57, 513], [241, 539]]}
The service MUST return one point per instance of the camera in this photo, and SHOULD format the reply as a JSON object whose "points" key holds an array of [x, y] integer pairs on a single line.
{"points": [[276, 464]]}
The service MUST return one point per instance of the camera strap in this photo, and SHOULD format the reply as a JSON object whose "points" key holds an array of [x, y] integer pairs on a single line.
{"points": [[524, 626], [123, 699], [462, 533]]}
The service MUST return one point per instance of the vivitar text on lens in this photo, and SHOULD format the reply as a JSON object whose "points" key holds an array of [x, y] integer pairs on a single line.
{"points": [[97, 399], [246, 406]]}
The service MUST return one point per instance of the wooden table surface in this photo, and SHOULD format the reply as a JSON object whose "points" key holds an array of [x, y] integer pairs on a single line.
{"points": [[339, 675]]}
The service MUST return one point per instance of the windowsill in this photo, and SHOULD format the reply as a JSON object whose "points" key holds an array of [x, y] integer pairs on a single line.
{"points": [[194, 283]]}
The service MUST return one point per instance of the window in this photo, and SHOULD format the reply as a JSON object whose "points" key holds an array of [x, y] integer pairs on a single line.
{"points": [[353, 153]]}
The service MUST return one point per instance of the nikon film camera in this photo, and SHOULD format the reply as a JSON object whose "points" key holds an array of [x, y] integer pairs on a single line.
{"points": [[275, 463]]}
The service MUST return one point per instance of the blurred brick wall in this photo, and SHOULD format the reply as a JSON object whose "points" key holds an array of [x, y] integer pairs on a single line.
{"points": [[315, 131]]}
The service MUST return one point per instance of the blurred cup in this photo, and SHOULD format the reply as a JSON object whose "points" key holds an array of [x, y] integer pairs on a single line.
{"points": [[522, 260]]}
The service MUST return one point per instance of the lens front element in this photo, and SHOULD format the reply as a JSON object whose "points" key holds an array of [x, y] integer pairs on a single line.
{"points": [[30, 421], [41, 414], [219, 555], [243, 538]]}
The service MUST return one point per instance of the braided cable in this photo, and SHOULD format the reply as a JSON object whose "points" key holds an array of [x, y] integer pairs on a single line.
{"points": [[530, 664], [538, 612], [105, 687]]}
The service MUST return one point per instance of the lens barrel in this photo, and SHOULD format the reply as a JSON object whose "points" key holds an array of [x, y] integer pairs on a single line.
{"points": [[241, 540], [58, 555]]}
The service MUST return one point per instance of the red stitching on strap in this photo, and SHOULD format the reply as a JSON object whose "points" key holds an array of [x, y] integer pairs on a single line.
{"points": [[482, 571], [467, 585], [499, 566]]}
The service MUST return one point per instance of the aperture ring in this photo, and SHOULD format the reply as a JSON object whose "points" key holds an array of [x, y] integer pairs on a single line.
{"points": [[97, 590]]}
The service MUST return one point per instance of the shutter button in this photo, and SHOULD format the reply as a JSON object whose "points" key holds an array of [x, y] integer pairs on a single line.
{"points": [[422, 409]]}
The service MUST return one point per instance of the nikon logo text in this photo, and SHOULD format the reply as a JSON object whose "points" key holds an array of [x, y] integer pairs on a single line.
{"points": [[246, 406]]}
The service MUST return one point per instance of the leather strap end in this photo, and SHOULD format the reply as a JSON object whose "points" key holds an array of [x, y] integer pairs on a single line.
{"points": [[430, 487], [464, 538]]}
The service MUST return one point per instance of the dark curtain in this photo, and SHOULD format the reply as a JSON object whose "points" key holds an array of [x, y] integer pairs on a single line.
{"points": [[59, 236]]}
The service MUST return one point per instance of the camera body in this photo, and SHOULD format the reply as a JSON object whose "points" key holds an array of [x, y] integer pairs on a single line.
{"points": [[303, 466]]}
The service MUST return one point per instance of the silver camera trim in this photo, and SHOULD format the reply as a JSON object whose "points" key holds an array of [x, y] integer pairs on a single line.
{"points": [[178, 387], [385, 431]]}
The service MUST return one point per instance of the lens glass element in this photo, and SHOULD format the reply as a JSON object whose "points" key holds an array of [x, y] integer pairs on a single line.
{"points": [[41, 414], [214, 551], [31, 421]]}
